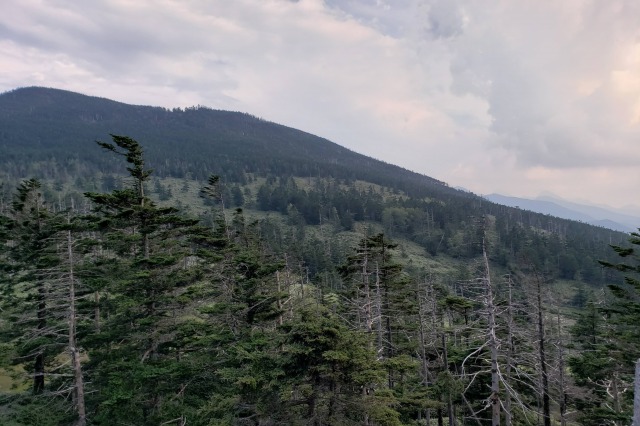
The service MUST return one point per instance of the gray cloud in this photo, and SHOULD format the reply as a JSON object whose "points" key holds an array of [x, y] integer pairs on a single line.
{"points": [[445, 19], [546, 73], [517, 97]]}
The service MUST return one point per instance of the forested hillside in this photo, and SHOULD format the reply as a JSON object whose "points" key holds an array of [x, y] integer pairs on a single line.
{"points": [[51, 133], [262, 275]]}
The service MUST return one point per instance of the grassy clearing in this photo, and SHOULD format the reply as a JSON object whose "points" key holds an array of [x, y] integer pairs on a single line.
{"points": [[12, 380]]}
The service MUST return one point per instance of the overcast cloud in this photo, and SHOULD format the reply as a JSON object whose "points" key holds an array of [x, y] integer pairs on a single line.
{"points": [[517, 97]]}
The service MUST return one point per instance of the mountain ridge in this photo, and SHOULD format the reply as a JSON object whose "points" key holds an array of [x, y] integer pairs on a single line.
{"points": [[215, 132], [555, 206], [50, 134]]}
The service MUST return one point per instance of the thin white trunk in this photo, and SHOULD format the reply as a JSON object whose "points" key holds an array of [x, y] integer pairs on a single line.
{"points": [[366, 302], [636, 396], [494, 399], [508, 418], [542, 356], [378, 314], [423, 352], [74, 352], [96, 312], [280, 320], [562, 378]]}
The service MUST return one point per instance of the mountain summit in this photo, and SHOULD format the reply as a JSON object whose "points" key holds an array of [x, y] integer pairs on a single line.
{"points": [[41, 125]]}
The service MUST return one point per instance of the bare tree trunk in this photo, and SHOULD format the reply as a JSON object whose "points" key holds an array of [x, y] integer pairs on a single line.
{"points": [[466, 401], [74, 352], [508, 417], [366, 290], [423, 352], [38, 364], [445, 359], [41, 314], [562, 378], [636, 396], [280, 320], [544, 376], [378, 317], [96, 312], [493, 344], [385, 309], [287, 276], [616, 397]]}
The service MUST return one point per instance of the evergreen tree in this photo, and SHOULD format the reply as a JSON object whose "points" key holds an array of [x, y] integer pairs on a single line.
{"points": [[331, 373], [32, 230], [42, 295], [239, 310], [598, 368], [135, 360], [611, 343]]}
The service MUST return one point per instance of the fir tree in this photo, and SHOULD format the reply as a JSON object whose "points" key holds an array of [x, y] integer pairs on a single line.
{"points": [[135, 358]]}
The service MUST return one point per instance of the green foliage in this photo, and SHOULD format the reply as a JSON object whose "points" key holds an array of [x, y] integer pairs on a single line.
{"points": [[136, 353], [342, 187], [332, 372], [23, 410], [610, 343], [243, 317], [30, 230]]}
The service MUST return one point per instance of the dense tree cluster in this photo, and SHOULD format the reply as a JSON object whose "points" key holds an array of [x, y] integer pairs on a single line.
{"points": [[556, 246], [118, 310], [47, 134]]}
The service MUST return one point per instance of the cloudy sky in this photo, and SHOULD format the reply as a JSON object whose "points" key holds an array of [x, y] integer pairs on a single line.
{"points": [[517, 97]]}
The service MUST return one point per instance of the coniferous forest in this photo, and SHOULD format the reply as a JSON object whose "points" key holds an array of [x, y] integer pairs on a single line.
{"points": [[284, 280]]}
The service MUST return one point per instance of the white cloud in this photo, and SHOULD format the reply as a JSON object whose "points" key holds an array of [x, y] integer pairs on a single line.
{"points": [[533, 69], [500, 96]]}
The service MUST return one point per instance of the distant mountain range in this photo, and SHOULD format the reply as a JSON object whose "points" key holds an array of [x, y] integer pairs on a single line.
{"points": [[611, 218]]}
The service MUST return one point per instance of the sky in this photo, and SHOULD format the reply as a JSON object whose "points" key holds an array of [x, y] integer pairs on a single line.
{"points": [[521, 98]]}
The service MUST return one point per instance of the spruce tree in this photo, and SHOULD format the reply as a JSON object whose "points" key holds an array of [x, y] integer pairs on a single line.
{"points": [[608, 335], [33, 230], [136, 360], [41, 302]]}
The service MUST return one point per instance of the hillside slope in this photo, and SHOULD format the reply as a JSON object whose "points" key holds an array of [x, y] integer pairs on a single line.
{"points": [[39, 124], [50, 134], [309, 275]]}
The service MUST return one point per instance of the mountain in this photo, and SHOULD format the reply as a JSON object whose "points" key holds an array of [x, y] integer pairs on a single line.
{"points": [[625, 217], [594, 215], [41, 125], [313, 285], [267, 167]]}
